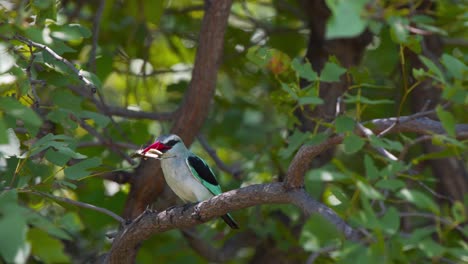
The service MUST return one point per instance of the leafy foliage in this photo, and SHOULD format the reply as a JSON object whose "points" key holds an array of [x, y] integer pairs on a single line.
{"points": [[58, 135]]}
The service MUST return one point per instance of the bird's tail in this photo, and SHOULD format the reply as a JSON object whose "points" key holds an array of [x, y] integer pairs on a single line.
{"points": [[230, 221]]}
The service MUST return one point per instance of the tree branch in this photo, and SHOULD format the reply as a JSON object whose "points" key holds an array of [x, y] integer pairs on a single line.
{"points": [[150, 223], [235, 171], [81, 204], [70, 65], [299, 165]]}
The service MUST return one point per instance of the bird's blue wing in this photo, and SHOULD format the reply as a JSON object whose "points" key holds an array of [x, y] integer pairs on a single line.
{"points": [[203, 173]]}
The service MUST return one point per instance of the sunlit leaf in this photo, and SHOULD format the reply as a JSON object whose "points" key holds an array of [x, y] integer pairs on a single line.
{"points": [[345, 26], [69, 32], [419, 199], [7, 60], [369, 191], [19, 111]]}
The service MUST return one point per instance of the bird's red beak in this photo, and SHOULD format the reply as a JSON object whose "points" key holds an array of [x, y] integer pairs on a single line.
{"points": [[156, 145]]}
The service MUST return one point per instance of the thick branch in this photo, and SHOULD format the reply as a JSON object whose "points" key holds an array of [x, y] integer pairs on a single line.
{"points": [[299, 165], [149, 182], [421, 125], [197, 100], [150, 223]]}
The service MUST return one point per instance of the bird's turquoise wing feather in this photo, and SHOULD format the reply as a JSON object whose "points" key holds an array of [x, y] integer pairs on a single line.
{"points": [[203, 173]]}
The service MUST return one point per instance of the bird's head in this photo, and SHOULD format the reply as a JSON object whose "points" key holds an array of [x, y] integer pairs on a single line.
{"points": [[166, 144]]}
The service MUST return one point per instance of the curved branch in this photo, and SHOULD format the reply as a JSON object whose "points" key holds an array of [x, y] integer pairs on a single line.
{"points": [[150, 222], [298, 166]]}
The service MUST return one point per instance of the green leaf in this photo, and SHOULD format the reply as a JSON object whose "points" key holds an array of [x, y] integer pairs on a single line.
{"points": [[344, 124], [289, 90], [46, 225], [398, 29], [431, 248], [454, 66], [432, 68], [304, 70], [419, 199], [12, 148], [259, 56], [318, 232], [71, 222], [69, 32], [390, 184], [371, 170], [364, 100], [458, 212], [324, 175], [100, 120], [294, 142], [391, 221], [385, 143], [331, 72], [81, 169], [13, 228], [153, 10], [67, 100], [353, 143], [47, 248], [447, 119], [43, 4], [3, 133], [56, 157], [310, 100], [346, 20], [369, 191], [15, 109]]}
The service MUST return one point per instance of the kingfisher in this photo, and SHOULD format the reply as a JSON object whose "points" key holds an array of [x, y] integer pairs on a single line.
{"points": [[188, 175]]}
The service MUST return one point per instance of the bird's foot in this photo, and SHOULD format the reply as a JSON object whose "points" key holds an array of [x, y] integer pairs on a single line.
{"points": [[170, 208], [149, 209], [187, 206], [196, 213]]}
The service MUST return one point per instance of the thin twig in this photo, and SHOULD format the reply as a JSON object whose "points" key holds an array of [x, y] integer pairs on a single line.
{"points": [[102, 139], [435, 218], [233, 170], [31, 81], [123, 145], [311, 259], [436, 194], [381, 150], [81, 204], [96, 24], [70, 65]]}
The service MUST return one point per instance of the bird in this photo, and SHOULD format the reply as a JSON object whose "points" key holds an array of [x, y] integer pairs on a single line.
{"points": [[187, 174]]}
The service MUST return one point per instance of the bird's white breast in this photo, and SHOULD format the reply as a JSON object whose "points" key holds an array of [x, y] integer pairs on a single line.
{"points": [[179, 177]]}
